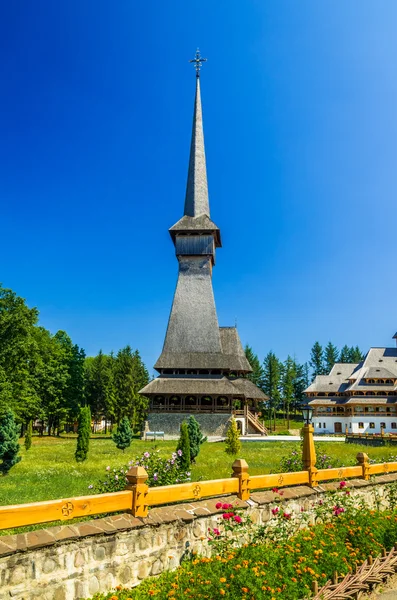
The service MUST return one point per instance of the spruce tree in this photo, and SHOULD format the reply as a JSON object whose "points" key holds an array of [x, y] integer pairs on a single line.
{"points": [[232, 443], [183, 447], [331, 356], [9, 446], [356, 355], [345, 354], [28, 435], [317, 360], [288, 377], [84, 432], [195, 438], [271, 384], [123, 435]]}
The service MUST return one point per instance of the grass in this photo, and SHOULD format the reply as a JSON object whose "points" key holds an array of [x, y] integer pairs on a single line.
{"points": [[49, 471]]}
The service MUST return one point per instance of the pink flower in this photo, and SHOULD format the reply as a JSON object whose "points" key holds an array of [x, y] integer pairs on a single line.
{"points": [[275, 510], [218, 505], [237, 518], [227, 516], [216, 531], [275, 490], [342, 484], [287, 515], [347, 492], [226, 506]]}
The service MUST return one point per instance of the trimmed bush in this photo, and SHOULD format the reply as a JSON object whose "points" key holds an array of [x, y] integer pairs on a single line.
{"points": [[9, 445], [83, 432]]}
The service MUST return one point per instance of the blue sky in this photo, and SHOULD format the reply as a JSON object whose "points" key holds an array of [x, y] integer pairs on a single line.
{"points": [[300, 120]]}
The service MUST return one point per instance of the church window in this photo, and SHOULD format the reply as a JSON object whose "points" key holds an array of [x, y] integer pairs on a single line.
{"points": [[383, 425], [372, 425], [361, 425], [394, 425], [323, 425]]}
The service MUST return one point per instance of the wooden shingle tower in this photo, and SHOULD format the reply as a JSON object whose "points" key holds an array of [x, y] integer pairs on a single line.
{"points": [[202, 366]]}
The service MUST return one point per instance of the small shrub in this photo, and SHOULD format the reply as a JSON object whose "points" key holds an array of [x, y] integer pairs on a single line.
{"points": [[196, 438], [83, 432], [9, 445], [28, 435], [123, 436], [183, 448], [161, 471], [233, 444]]}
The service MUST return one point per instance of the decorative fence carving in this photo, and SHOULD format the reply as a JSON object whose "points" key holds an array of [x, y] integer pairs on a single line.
{"points": [[354, 585], [138, 497]]}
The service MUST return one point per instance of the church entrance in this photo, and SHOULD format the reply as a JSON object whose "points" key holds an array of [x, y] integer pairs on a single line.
{"points": [[338, 427]]}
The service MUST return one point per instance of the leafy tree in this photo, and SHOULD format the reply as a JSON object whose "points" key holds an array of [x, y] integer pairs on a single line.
{"points": [[257, 371], [271, 383], [9, 445], [288, 378], [183, 447], [196, 438], [123, 436], [84, 432], [28, 435], [317, 360], [232, 443], [99, 385], [331, 356]]}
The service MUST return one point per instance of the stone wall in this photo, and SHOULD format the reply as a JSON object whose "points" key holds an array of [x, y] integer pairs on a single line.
{"points": [[72, 562], [212, 424]]}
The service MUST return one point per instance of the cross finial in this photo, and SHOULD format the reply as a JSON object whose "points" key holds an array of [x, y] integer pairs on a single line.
{"points": [[197, 60]]}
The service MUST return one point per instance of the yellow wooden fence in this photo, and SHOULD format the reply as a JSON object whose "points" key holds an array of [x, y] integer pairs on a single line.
{"points": [[138, 497]]}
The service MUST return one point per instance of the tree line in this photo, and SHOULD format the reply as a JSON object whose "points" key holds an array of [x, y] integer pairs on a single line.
{"points": [[285, 381], [46, 376]]}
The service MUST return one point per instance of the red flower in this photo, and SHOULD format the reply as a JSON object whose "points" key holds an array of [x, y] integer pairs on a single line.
{"points": [[237, 518], [275, 510], [287, 515], [226, 506], [218, 505], [275, 490], [227, 515], [342, 484]]}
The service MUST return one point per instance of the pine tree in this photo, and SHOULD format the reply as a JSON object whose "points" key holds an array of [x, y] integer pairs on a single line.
{"points": [[183, 447], [300, 383], [195, 438], [356, 355], [331, 356], [123, 436], [9, 445], [271, 383], [257, 370], [232, 443], [28, 435], [84, 432], [317, 360]]}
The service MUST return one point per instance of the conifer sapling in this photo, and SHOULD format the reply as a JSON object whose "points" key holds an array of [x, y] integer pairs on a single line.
{"points": [[83, 433], [195, 438], [9, 445], [233, 444], [28, 435], [123, 435]]}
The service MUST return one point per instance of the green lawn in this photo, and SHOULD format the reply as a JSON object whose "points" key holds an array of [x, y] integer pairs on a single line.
{"points": [[49, 471]]}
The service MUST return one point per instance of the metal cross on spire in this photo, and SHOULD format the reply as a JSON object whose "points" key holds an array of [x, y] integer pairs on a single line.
{"points": [[198, 61]]}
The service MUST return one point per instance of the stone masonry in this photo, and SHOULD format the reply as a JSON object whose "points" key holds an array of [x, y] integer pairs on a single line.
{"points": [[212, 424], [72, 562]]}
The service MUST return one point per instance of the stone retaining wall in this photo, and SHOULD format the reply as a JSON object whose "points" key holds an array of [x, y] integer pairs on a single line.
{"points": [[213, 424], [72, 562]]}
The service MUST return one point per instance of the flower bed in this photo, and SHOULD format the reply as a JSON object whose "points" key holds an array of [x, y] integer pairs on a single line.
{"points": [[281, 559]]}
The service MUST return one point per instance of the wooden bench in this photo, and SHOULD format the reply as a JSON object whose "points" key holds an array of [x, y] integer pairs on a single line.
{"points": [[154, 435]]}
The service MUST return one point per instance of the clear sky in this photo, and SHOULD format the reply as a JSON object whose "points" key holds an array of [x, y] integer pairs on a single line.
{"points": [[300, 120]]}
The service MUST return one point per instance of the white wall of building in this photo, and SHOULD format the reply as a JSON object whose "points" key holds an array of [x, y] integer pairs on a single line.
{"points": [[326, 423]]}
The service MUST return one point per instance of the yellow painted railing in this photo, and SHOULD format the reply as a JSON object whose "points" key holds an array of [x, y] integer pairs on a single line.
{"points": [[138, 497]]}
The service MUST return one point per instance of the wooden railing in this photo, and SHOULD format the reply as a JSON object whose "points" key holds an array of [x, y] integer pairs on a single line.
{"points": [[138, 497]]}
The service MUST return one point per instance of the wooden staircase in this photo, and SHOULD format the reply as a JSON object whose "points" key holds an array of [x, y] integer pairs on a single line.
{"points": [[252, 419]]}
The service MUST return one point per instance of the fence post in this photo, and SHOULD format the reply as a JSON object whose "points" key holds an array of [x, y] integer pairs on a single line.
{"points": [[136, 478], [363, 461], [309, 454], [240, 470]]}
